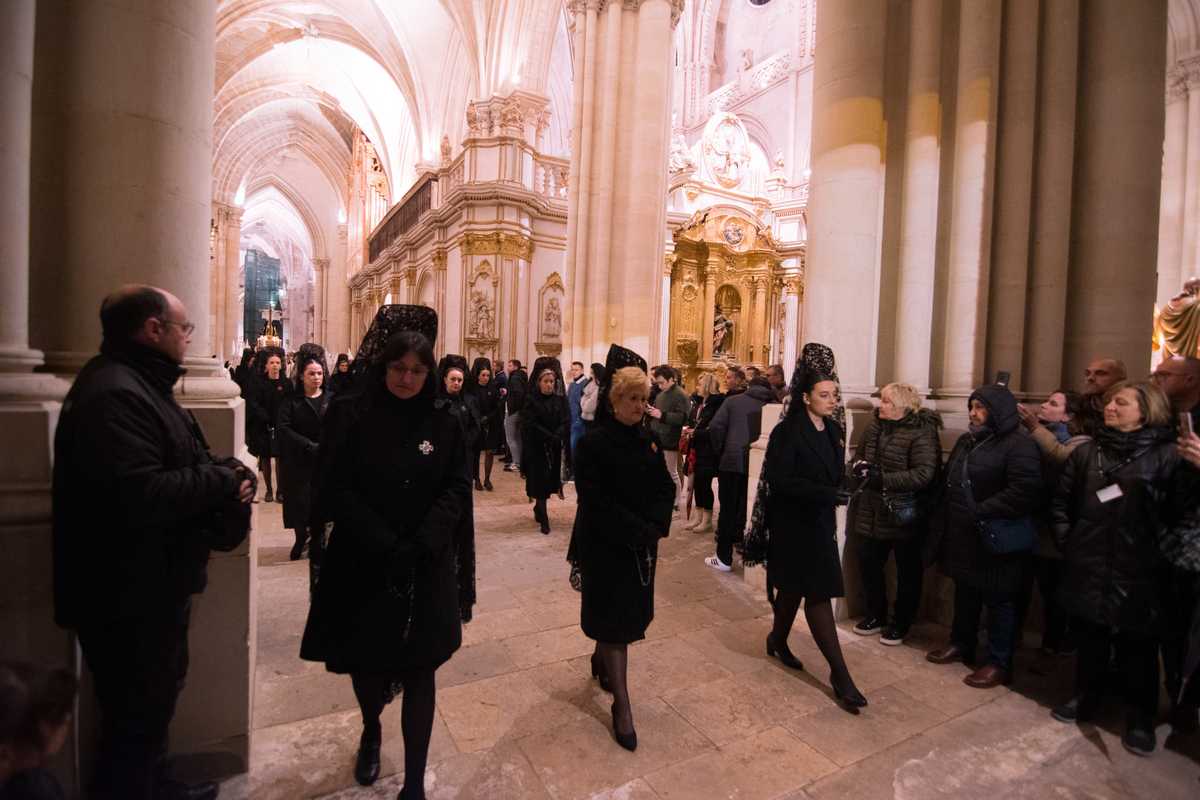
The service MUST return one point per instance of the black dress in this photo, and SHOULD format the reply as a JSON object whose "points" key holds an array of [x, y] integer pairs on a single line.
{"points": [[625, 504], [397, 577], [298, 432], [546, 422], [263, 401], [491, 416], [803, 467]]}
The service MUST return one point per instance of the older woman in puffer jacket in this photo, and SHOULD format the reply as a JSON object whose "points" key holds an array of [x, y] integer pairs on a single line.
{"points": [[1117, 497], [901, 454], [1004, 478]]}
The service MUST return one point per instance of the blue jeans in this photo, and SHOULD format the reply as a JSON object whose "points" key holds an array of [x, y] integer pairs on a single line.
{"points": [[577, 430], [964, 632], [512, 432]]}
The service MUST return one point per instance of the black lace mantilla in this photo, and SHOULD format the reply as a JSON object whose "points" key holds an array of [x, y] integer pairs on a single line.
{"points": [[813, 358]]}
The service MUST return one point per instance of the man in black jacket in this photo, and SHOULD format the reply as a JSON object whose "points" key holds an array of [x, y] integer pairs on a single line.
{"points": [[515, 403], [136, 498]]}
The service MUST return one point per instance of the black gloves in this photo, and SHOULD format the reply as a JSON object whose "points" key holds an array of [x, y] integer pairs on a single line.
{"points": [[553, 441], [311, 448], [874, 480]]}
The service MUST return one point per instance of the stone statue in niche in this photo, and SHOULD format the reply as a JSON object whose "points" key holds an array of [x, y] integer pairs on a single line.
{"points": [[473, 121], [722, 333], [481, 315], [681, 155], [447, 150], [1177, 326], [552, 319]]}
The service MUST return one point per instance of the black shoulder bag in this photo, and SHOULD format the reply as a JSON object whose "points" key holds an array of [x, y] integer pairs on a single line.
{"points": [[900, 509], [999, 536]]}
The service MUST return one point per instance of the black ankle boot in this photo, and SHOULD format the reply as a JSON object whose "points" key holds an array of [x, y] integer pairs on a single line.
{"points": [[298, 547], [366, 768]]}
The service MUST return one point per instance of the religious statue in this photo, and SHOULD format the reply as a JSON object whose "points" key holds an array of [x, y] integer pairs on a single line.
{"points": [[722, 331], [553, 320], [1177, 326], [779, 163], [473, 121], [681, 155], [481, 315], [447, 150]]}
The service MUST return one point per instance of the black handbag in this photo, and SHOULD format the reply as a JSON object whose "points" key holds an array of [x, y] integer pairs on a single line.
{"points": [[901, 509], [999, 536]]}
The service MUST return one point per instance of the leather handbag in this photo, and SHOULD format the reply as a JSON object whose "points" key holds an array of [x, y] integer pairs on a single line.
{"points": [[999, 536], [901, 509]]}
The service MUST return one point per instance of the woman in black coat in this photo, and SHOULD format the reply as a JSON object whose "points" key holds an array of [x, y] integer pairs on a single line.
{"points": [[803, 468], [266, 389], [900, 453], [1116, 495], [625, 505], [489, 404], [397, 578], [707, 459], [1004, 469], [299, 432], [545, 422]]}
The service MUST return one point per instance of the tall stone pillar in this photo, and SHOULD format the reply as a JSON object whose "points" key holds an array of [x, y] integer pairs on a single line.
{"points": [[1122, 66], [338, 324], [615, 246], [1191, 203], [320, 301], [791, 318], [233, 278], [122, 188], [1051, 238], [29, 403], [1174, 188], [760, 318], [970, 228], [847, 150], [922, 160], [710, 307]]}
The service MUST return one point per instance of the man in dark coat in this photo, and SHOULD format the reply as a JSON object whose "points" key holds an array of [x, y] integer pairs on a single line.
{"points": [[515, 404], [736, 426], [135, 492]]}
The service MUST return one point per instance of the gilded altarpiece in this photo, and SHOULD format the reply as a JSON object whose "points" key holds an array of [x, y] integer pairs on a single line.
{"points": [[725, 288], [490, 265]]}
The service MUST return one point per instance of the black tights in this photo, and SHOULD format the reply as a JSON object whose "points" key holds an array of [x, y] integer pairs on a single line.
{"points": [[615, 658], [264, 466], [487, 464], [819, 615], [416, 720]]}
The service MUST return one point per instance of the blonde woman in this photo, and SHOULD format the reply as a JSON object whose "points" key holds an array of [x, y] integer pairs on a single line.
{"points": [[707, 458]]}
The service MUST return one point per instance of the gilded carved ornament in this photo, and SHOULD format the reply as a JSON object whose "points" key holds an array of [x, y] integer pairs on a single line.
{"points": [[499, 243], [439, 259]]}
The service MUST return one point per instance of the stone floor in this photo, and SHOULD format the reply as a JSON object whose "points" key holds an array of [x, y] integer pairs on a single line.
{"points": [[520, 717]]}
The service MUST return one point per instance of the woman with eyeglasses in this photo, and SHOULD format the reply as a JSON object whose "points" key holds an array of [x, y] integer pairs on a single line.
{"points": [[397, 578]]}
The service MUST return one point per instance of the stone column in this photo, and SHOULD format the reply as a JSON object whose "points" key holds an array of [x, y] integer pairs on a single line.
{"points": [[1110, 296], [1191, 203], [1051, 237], [338, 322], [320, 315], [758, 337], [791, 323], [710, 307], [29, 403], [123, 194], [233, 277], [922, 160], [971, 224], [847, 150], [579, 195], [1174, 188]]}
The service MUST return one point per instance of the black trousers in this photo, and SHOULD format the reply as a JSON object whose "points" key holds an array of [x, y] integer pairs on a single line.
{"points": [[1048, 572], [702, 489], [1137, 664], [138, 667], [910, 574], [731, 524]]}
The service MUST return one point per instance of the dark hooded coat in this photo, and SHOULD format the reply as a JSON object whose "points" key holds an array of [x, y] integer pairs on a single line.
{"points": [[1004, 467], [909, 452], [1113, 573]]}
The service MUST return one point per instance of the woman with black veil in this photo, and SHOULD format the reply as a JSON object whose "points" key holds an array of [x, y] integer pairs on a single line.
{"points": [[299, 432], [452, 372], [396, 579], [265, 390], [489, 404], [794, 529], [625, 505], [545, 424]]}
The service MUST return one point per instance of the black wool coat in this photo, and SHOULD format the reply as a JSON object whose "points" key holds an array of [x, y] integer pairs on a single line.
{"points": [[1113, 574], [133, 484], [626, 497], [545, 424], [910, 454], [264, 397], [1005, 470], [464, 405], [298, 432], [490, 406], [397, 577], [706, 457], [803, 468]]}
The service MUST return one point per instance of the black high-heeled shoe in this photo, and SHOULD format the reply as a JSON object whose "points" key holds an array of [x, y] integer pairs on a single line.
{"points": [[478, 485], [626, 740], [366, 767], [599, 673], [270, 498], [850, 702], [784, 655], [487, 484]]}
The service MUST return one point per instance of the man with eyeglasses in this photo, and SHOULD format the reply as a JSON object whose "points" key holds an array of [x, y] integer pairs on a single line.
{"points": [[1179, 379], [138, 503]]}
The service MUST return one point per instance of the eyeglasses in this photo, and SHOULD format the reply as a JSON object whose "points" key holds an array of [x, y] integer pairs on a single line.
{"points": [[419, 371], [188, 327]]}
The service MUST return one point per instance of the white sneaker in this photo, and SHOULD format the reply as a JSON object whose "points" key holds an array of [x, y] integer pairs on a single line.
{"points": [[716, 563]]}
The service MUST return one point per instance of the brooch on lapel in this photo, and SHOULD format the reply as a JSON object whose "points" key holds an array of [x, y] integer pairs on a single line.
{"points": [[425, 447], [654, 447]]}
